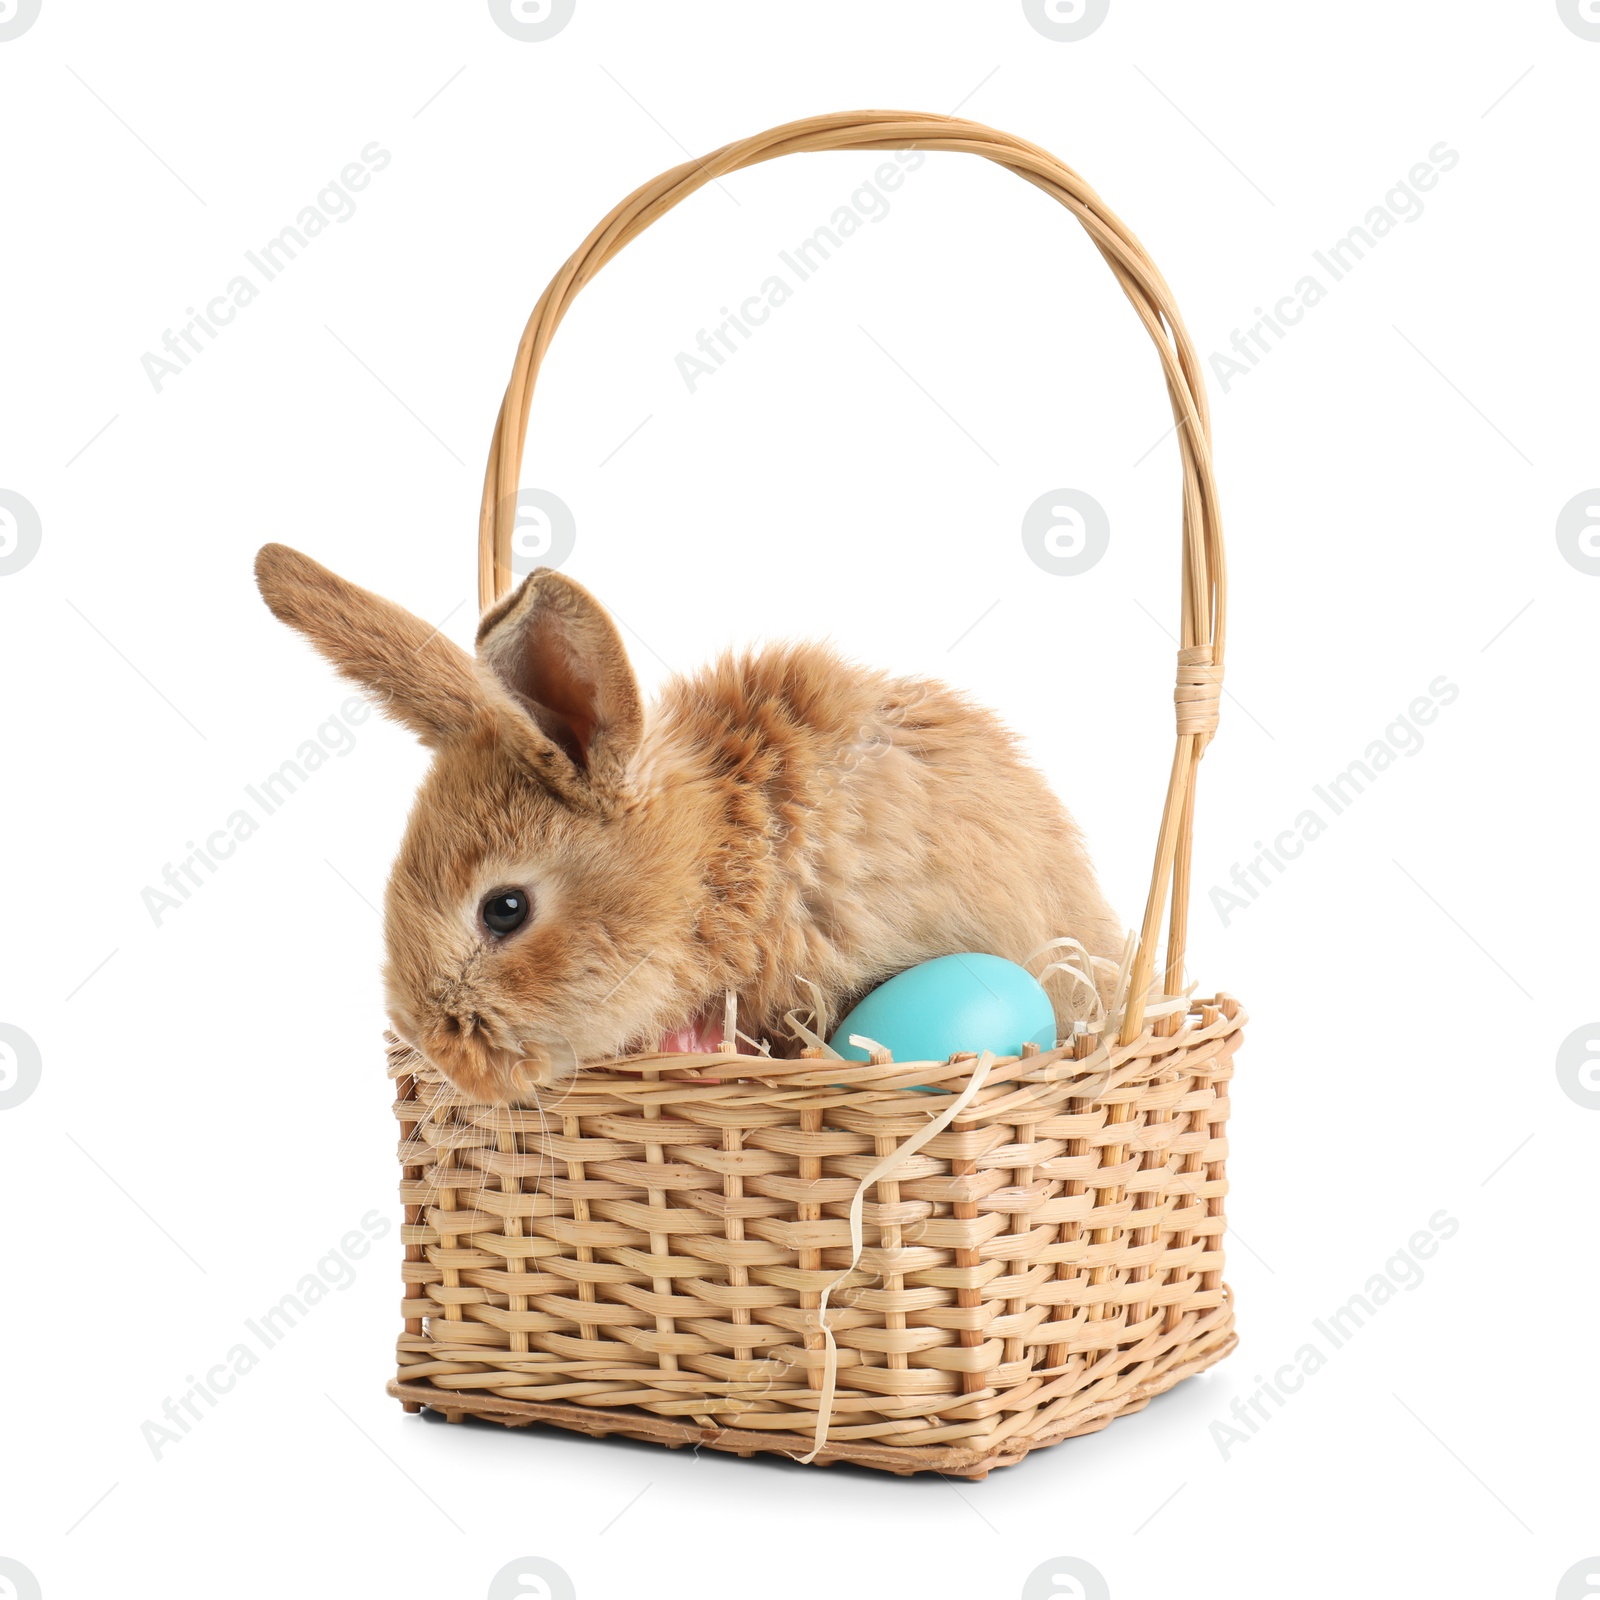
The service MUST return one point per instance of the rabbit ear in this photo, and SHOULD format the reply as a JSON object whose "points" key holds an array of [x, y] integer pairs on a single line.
{"points": [[419, 677], [552, 646]]}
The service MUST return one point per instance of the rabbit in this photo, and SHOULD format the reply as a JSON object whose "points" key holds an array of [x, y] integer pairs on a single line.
{"points": [[581, 875]]}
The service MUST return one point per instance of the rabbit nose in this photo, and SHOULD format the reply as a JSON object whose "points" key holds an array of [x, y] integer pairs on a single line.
{"points": [[470, 1059]]}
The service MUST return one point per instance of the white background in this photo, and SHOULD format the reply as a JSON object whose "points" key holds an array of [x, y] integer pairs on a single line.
{"points": [[212, 1114]]}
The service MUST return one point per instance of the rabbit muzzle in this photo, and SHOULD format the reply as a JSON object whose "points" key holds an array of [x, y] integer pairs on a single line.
{"points": [[490, 1070]]}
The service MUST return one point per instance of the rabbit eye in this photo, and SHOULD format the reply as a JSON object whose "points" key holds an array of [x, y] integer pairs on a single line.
{"points": [[506, 911]]}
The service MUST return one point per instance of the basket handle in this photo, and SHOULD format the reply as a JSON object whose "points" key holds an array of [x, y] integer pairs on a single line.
{"points": [[1199, 677]]}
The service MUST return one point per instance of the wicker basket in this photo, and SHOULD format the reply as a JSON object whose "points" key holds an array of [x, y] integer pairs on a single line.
{"points": [[806, 1256]]}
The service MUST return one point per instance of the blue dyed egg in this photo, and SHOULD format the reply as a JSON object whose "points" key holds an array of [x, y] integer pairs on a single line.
{"points": [[952, 1004]]}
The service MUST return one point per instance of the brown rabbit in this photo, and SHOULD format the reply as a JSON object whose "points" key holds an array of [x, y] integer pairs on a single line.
{"points": [[580, 875]]}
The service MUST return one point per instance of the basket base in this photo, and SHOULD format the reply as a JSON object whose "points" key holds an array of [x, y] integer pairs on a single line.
{"points": [[903, 1460]]}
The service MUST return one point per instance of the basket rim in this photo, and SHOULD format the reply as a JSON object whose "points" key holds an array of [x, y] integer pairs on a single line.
{"points": [[662, 1078]]}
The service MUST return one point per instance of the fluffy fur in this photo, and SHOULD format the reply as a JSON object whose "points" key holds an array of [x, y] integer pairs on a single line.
{"points": [[780, 815]]}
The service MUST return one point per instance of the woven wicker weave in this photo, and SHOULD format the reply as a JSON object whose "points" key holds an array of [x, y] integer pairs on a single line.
{"points": [[749, 1254]]}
